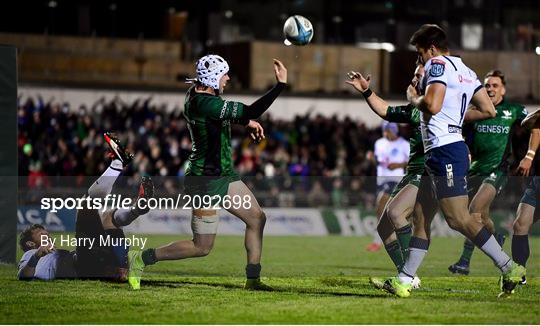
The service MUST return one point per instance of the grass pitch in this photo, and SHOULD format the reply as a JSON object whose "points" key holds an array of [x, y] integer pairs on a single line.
{"points": [[318, 280]]}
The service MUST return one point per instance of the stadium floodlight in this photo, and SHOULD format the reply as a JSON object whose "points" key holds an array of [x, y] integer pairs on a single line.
{"points": [[377, 46], [538, 50]]}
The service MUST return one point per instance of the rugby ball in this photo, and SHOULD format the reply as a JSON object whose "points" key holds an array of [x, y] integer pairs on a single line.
{"points": [[297, 30]]}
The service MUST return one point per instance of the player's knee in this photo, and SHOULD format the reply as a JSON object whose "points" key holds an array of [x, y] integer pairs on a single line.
{"points": [[258, 220], [204, 250], [454, 223], [394, 214]]}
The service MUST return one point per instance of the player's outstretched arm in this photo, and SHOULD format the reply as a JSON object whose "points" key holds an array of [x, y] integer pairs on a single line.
{"points": [[484, 106], [257, 108], [361, 84], [524, 167]]}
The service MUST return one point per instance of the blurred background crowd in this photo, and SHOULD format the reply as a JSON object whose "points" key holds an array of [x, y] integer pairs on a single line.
{"points": [[307, 161]]}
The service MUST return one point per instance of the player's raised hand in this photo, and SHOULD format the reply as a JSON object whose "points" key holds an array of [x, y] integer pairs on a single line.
{"points": [[256, 131], [281, 71], [524, 167], [358, 81], [44, 250]]}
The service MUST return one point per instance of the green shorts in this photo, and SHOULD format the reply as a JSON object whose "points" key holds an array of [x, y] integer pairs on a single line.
{"points": [[497, 179], [413, 177], [216, 187]]}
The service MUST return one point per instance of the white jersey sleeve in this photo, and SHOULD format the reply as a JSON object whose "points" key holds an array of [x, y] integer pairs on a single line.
{"points": [[461, 84], [24, 261]]}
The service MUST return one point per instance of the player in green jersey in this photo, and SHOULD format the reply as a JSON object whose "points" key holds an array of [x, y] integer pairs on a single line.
{"points": [[491, 149], [406, 199], [210, 176]]}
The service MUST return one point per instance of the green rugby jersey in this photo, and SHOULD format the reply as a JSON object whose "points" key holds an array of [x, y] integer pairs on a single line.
{"points": [[410, 115], [490, 145], [209, 120]]}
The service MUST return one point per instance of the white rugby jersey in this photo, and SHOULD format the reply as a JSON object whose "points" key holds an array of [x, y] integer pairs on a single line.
{"points": [[386, 152], [461, 84], [58, 263]]}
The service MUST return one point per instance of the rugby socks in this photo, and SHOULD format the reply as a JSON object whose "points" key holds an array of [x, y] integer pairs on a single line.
{"points": [[489, 245], [404, 237], [104, 184], [468, 248], [121, 251], [418, 249], [253, 271], [394, 251], [520, 249], [149, 256], [123, 217]]}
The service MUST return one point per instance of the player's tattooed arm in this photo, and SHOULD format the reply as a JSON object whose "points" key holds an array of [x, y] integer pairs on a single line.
{"points": [[524, 167], [361, 84]]}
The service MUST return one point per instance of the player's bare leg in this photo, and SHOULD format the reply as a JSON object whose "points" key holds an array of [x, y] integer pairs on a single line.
{"points": [[520, 240], [382, 200], [396, 240], [399, 210], [424, 212], [200, 245], [204, 226], [255, 220], [481, 203], [419, 244], [479, 206]]}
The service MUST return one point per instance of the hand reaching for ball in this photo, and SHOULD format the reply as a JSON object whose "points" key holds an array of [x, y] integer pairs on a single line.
{"points": [[280, 71]]}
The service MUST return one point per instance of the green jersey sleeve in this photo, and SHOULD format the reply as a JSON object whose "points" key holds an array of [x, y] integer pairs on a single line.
{"points": [[521, 112], [216, 108], [399, 114]]}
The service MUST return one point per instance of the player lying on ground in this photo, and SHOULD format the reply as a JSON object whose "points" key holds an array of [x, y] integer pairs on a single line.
{"points": [[449, 88], [391, 153], [527, 214], [491, 151], [42, 261], [394, 226], [210, 169]]}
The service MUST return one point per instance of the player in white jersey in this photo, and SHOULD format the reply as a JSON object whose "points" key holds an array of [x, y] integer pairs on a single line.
{"points": [[449, 88], [392, 154], [91, 258]]}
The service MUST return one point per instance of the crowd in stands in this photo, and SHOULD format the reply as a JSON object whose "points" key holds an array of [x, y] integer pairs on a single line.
{"points": [[311, 160]]}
